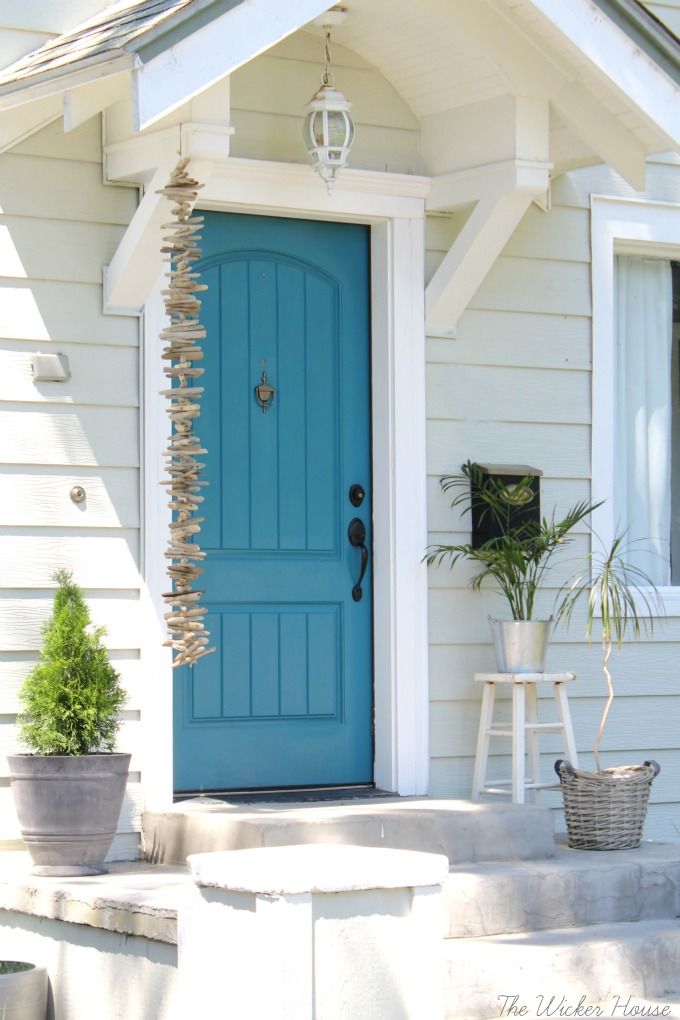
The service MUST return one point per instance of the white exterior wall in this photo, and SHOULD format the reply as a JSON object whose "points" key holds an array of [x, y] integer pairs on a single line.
{"points": [[58, 225], [514, 387]]}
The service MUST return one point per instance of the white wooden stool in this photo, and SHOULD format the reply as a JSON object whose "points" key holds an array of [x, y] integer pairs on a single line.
{"points": [[524, 732]]}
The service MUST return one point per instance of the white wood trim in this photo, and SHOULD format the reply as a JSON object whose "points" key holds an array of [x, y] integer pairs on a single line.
{"points": [[505, 191], [82, 103], [18, 124], [397, 217], [608, 49], [137, 261], [156, 661], [213, 51], [619, 226]]}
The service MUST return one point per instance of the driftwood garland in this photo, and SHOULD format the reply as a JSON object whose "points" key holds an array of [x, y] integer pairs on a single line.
{"points": [[187, 634]]}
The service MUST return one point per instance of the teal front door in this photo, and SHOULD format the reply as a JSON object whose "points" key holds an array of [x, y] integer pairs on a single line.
{"points": [[286, 700]]}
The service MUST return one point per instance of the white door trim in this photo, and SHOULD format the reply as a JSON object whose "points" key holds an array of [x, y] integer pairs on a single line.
{"points": [[394, 207]]}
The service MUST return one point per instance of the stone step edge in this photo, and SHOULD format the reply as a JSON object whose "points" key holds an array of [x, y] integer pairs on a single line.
{"points": [[467, 832], [640, 959], [512, 897]]}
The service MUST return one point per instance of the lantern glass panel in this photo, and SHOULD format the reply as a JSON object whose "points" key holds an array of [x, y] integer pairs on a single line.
{"points": [[337, 128]]}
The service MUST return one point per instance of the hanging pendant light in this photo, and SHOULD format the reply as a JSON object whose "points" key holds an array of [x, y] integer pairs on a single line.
{"points": [[328, 129]]}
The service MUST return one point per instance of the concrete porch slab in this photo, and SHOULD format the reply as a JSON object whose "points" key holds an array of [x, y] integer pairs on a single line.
{"points": [[464, 831], [134, 898]]}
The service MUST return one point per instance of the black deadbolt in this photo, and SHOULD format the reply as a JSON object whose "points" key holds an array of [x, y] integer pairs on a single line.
{"points": [[356, 494]]}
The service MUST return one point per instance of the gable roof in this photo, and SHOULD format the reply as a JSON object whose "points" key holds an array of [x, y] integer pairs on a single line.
{"points": [[129, 27]]}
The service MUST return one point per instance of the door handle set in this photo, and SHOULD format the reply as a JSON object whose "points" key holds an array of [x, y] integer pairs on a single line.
{"points": [[356, 532]]}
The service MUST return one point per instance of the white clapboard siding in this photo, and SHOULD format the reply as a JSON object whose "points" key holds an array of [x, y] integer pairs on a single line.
{"points": [[43, 249], [128, 822], [460, 616], [22, 617], [76, 192], [130, 739], [540, 285], [83, 436], [639, 669], [29, 557], [15, 666], [83, 144], [562, 451], [40, 497], [100, 375], [636, 726], [266, 136], [51, 310], [521, 339], [508, 394], [562, 234], [575, 189], [374, 100]]}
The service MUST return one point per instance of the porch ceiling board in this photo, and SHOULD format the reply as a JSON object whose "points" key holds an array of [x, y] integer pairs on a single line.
{"points": [[606, 60]]}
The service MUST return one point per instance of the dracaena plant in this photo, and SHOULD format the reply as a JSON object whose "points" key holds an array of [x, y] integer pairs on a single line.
{"points": [[515, 562], [73, 696], [621, 597]]}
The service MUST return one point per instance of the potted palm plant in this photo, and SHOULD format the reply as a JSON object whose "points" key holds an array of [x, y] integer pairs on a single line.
{"points": [[514, 562], [606, 809], [69, 791]]}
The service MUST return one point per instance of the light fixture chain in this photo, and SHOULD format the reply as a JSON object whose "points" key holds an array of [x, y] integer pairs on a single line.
{"points": [[327, 76]]}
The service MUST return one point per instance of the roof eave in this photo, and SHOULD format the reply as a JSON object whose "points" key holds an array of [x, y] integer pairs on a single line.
{"points": [[652, 36], [62, 79]]}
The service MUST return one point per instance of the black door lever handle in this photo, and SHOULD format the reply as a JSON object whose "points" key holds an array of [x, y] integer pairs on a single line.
{"points": [[356, 532]]}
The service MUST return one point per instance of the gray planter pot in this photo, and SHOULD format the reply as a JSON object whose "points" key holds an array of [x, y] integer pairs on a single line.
{"points": [[23, 992], [68, 808], [520, 645]]}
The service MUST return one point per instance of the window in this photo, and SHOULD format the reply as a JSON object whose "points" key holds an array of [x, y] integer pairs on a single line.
{"points": [[635, 445], [646, 452]]}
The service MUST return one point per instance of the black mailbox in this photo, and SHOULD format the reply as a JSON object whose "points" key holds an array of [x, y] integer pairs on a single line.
{"points": [[518, 488]]}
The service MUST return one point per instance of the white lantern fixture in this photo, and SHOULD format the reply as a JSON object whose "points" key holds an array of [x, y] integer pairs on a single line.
{"points": [[328, 129]]}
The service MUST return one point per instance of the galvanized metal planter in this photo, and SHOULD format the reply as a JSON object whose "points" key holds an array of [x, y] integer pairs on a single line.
{"points": [[23, 991], [68, 808], [520, 645]]}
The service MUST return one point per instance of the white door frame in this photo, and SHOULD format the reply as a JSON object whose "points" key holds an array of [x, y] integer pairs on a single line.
{"points": [[393, 205]]}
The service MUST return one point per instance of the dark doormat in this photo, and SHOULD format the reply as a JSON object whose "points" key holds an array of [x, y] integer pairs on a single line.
{"points": [[297, 796]]}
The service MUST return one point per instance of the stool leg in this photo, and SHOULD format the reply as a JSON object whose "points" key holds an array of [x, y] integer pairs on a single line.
{"points": [[532, 740], [518, 742], [565, 717], [482, 755]]}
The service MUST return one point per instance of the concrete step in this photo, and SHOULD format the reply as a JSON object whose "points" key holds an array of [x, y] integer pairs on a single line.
{"points": [[639, 959], [466, 832], [576, 887]]}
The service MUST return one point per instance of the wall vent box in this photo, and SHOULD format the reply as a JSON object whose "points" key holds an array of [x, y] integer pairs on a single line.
{"points": [[50, 368], [521, 487]]}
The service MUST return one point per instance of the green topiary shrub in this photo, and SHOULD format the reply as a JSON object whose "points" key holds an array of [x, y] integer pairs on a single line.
{"points": [[73, 696]]}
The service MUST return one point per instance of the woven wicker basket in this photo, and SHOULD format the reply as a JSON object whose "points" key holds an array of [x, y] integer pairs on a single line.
{"points": [[606, 810]]}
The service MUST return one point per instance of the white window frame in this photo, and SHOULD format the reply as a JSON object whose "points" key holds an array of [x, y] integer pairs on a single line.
{"points": [[619, 226], [393, 206]]}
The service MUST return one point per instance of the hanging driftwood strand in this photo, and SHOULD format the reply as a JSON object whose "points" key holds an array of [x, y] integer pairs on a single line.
{"points": [[187, 635]]}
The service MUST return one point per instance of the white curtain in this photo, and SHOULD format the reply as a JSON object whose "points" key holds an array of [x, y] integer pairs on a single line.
{"points": [[642, 440], [642, 444]]}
